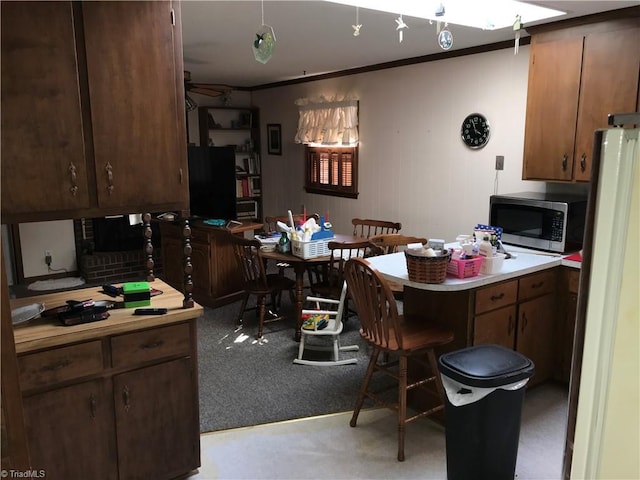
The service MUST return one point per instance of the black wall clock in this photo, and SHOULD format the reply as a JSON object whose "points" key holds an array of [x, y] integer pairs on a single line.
{"points": [[475, 130]]}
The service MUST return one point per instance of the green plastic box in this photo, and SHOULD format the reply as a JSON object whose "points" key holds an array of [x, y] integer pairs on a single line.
{"points": [[136, 294]]}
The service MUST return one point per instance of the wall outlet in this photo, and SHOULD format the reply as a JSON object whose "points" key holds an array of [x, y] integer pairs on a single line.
{"points": [[499, 162]]}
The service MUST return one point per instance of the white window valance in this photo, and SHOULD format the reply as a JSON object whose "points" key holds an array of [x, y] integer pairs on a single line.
{"points": [[327, 122]]}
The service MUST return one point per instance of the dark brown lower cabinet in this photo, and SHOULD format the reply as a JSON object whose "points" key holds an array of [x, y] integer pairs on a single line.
{"points": [[154, 417], [119, 407], [521, 314], [70, 431]]}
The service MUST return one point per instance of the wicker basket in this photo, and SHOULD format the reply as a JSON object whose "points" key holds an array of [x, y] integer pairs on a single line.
{"points": [[427, 269]]}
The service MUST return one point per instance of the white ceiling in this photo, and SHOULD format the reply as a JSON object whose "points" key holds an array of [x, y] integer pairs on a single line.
{"points": [[316, 37]]}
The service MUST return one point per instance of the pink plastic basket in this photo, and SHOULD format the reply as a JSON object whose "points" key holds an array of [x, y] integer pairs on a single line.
{"points": [[469, 267]]}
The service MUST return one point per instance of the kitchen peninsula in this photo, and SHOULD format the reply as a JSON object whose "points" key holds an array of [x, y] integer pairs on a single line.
{"points": [[516, 308], [116, 398]]}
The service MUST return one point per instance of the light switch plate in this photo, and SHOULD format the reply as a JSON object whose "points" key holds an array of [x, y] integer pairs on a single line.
{"points": [[499, 162]]}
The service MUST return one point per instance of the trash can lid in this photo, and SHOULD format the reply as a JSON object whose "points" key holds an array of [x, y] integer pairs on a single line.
{"points": [[486, 366]]}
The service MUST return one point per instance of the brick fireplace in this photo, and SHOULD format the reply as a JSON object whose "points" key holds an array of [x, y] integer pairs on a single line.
{"points": [[111, 251]]}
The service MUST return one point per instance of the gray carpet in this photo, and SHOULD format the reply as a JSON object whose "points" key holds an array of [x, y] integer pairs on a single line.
{"points": [[245, 384]]}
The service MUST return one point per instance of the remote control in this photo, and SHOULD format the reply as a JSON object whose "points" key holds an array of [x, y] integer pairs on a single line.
{"points": [[150, 311]]}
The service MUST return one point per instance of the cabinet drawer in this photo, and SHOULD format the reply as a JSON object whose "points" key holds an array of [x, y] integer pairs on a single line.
{"points": [[496, 296], [537, 284], [60, 364], [150, 345]]}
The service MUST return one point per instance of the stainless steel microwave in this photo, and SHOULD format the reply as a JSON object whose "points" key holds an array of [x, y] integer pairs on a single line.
{"points": [[544, 221]]}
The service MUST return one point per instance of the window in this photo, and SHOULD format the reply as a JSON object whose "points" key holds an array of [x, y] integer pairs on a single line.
{"points": [[330, 131], [332, 171]]}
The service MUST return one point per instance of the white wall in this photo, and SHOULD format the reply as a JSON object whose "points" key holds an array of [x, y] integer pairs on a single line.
{"points": [[413, 166], [57, 237]]}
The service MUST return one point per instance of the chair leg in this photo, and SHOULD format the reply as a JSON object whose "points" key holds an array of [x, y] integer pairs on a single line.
{"points": [[365, 385], [262, 302], [402, 405], [243, 306]]}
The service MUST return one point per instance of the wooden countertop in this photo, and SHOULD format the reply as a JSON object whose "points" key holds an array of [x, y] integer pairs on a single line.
{"points": [[48, 332]]}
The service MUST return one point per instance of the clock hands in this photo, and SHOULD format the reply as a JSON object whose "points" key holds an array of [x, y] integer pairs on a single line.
{"points": [[473, 123]]}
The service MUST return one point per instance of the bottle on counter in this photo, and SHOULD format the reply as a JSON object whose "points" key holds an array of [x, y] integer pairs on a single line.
{"points": [[485, 248], [284, 244]]}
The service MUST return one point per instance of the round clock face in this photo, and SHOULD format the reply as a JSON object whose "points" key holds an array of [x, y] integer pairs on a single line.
{"points": [[475, 130]]}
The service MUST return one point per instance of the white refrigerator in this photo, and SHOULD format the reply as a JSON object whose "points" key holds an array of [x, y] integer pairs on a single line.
{"points": [[606, 370]]}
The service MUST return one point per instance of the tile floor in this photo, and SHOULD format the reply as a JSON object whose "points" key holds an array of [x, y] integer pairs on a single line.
{"points": [[327, 447]]}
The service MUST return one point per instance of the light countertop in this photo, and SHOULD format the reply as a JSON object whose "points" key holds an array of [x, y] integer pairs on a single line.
{"points": [[394, 267]]}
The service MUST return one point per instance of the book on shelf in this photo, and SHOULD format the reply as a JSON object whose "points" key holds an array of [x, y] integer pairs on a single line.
{"points": [[250, 165], [248, 187]]}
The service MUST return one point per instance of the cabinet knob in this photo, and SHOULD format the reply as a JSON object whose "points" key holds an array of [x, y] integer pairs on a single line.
{"points": [[510, 328], [93, 405], [583, 162], [109, 170], [497, 297], [126, 397], [565, 159], [524, 322], [74, 179]]}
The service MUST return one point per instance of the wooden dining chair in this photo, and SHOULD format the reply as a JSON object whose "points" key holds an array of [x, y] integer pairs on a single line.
{"points": [[392, 243], [257, 282], [327, 279], [401, 337], [366, 228], [395, 242]]}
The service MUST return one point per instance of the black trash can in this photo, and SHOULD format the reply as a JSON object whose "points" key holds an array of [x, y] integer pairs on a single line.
{"points": [[485, 390]]}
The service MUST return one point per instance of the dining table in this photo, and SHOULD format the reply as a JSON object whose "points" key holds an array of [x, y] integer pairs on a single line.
{"points": [[300, 266]]}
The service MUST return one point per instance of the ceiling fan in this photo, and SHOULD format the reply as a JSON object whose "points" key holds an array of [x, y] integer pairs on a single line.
{"points": [[208, 89]]}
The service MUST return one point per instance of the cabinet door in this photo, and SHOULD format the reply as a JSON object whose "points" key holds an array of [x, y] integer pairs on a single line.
{"points": [[137, 103], [610, 71], [535, 337], [552, 107], [157, 420], [70, 431], [497, 327], [43, 157]]}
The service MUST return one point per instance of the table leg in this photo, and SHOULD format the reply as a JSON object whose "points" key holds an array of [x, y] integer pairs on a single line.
{"points": [[300, 269]]}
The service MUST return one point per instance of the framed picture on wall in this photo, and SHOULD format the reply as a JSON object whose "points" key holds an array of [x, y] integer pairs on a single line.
{"points": [[274, 139]]}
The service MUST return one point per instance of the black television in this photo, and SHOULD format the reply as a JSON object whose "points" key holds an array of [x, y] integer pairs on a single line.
{"points": [[212, 182]]}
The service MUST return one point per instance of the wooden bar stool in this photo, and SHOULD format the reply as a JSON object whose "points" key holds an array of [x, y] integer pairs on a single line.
{"points": [[397, 335]]}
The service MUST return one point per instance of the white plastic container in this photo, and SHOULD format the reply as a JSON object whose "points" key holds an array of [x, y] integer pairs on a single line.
{"points": [[485, 249], [492, 264]]}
